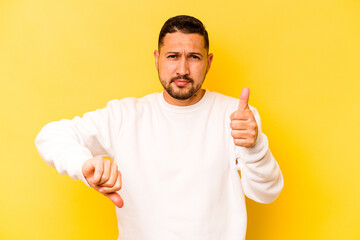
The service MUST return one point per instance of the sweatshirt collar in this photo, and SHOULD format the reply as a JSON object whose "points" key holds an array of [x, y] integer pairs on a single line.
{"points": [[165, 105]]}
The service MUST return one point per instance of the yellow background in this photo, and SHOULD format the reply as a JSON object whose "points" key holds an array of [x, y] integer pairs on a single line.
{"points": [[300, 59]]}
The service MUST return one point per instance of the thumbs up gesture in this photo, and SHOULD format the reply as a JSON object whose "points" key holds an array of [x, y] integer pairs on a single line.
{"points": [[243, 125]]}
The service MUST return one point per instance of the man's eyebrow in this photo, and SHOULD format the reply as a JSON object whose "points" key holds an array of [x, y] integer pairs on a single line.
{"points": [[195, 53], [172, 52], [190, 53]]}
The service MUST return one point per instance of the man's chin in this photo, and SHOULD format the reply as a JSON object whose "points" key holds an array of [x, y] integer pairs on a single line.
{"points": [[181, 93], [181, 96]]}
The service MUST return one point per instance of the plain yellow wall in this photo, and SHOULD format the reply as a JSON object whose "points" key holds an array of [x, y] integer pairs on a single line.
{"points": [[300, 59]]}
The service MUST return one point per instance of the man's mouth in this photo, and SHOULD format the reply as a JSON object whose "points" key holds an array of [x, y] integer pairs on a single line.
{"points": [[181, 82]]}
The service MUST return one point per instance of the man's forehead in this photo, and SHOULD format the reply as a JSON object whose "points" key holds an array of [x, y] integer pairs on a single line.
{"points": [[177, 41]]}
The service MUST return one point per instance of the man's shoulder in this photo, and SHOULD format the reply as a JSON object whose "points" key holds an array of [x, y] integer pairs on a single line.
{"points": [[130, 106], [223, 99], [131, 101]]}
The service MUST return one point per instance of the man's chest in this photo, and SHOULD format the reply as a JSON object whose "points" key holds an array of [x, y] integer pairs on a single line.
{"points": [[178, 151]]}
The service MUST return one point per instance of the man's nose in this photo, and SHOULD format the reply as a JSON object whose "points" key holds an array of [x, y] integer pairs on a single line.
{"points": [[183, 67]]}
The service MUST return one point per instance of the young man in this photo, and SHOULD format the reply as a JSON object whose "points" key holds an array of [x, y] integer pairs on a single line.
{"points": [[176, 154]]}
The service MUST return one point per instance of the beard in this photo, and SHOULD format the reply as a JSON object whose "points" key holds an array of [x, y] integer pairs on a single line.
{"points": [[179, 92]]}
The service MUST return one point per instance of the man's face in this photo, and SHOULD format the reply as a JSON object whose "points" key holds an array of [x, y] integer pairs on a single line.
{"points": [[182, 64]]}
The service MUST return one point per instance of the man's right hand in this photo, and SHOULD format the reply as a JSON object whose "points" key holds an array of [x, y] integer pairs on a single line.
{"points": [[104, 176]]}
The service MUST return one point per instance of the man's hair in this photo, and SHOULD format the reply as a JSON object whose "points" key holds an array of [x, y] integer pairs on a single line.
{"points": [[183, 24]]}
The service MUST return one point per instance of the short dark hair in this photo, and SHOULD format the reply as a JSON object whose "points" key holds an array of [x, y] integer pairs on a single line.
{"points": [[183, 24]]}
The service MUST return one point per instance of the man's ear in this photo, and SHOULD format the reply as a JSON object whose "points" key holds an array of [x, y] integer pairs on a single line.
{"points": [[209, 60], [156, 56]]}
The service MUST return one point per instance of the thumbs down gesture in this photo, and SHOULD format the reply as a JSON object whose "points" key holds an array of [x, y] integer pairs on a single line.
{"points": [[243, 125]]}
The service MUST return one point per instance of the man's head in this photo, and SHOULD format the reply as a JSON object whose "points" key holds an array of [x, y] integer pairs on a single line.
{"points": [[182, 59], [183, 24]]}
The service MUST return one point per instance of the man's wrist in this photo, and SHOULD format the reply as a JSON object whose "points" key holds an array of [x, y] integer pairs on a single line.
{"points": [[78, 165], [255, 152]]}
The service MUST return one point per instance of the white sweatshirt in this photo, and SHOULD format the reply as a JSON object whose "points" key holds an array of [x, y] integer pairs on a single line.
{"points": [[179, 165]]}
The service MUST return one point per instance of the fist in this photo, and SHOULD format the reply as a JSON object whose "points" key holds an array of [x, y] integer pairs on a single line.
{"points": [[243, 125], [104, 176]]}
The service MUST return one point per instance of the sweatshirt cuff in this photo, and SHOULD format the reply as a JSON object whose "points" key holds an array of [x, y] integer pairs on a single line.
{"points": [[254, 153]]}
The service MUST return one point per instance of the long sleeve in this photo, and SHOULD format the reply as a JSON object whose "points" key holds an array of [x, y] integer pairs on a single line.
{"points": [[67, 144], [261, 176]]}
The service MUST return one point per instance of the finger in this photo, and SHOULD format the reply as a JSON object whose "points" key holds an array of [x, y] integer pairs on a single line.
{"points": [[243, 134], [244, 99], [99, 169], [116, 199], [249, 124], [113, 176], [244, 142], [116, 187], [242, 115], [239, 125], [106, 172]]}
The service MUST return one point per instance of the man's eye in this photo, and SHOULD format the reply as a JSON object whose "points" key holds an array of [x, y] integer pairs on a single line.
{"points": [[195, 57], [172, 56]]}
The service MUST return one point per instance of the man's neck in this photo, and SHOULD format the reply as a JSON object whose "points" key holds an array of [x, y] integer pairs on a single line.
{"points": [[187, 102]]}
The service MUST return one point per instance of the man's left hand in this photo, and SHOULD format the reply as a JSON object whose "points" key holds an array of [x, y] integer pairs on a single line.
{"points": [[243, 125]]}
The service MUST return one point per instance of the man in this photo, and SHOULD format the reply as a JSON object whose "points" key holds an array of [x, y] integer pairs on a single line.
{"points": [[176, 154]]}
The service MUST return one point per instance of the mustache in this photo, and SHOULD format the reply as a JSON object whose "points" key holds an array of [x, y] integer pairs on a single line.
{"points": [[186, 77]]}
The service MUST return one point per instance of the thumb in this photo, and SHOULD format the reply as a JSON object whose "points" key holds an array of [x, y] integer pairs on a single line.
{"points": [[115, 198], [244, 99]]}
